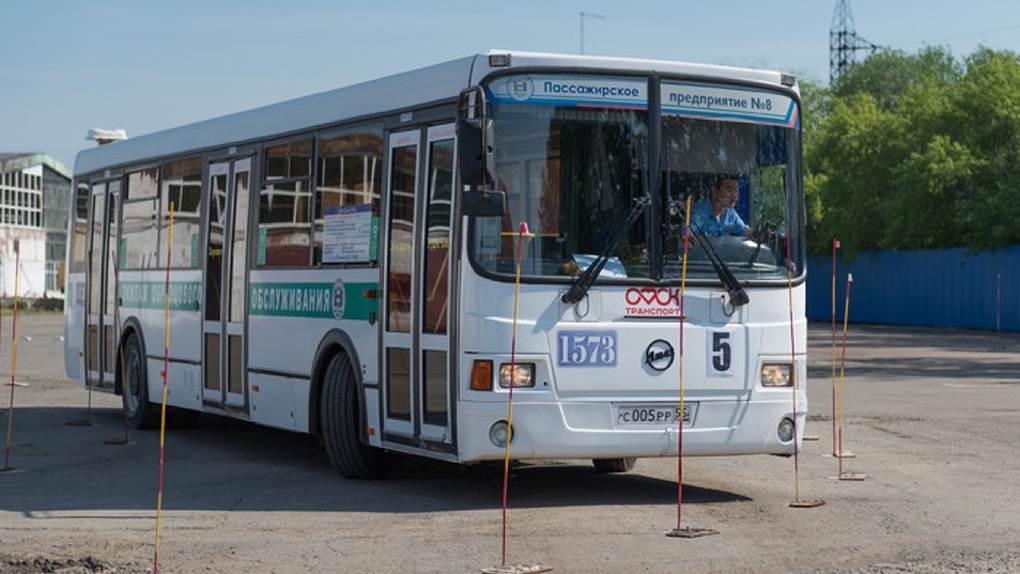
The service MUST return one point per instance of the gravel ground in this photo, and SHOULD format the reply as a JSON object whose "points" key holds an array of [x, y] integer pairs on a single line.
{"points": [[932, 418]]}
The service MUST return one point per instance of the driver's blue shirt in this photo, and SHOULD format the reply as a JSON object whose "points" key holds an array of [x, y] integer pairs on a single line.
{"points": [[729, 223]]}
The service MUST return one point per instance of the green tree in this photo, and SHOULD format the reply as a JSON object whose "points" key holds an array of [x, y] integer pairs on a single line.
{"points": [[815, 105], [916, 151], [851, 163], [985, 118], [889, 74]]}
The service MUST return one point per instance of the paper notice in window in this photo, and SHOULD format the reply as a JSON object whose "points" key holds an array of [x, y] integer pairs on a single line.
{"points": [[347, 234]]}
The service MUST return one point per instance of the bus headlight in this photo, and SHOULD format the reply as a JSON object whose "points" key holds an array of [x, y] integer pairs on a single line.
{"points": [[777, 375], [523, 375]]}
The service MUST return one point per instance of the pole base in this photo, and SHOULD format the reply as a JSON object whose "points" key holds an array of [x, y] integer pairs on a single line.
{"points": [[844, 454], [852, 476], [79, 423], [688, 532], [810, 437], [517, 569], [117, 440], [806, 503]]}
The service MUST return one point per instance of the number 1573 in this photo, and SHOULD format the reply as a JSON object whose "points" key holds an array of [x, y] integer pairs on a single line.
{"points": [[587, 348]]}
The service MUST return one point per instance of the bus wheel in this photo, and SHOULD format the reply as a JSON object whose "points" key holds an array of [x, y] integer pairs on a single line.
{"points": [[135, 391], [613, 464], [340, 425]]}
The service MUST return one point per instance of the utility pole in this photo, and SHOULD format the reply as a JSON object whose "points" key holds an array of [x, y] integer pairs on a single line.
{"points": [[587, 15], [844, 41]]}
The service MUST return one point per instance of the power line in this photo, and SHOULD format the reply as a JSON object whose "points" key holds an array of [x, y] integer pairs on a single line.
{"points": [[969, 35]]}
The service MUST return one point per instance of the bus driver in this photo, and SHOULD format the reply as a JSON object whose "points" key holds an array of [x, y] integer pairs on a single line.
{"points": [[715, 215]]}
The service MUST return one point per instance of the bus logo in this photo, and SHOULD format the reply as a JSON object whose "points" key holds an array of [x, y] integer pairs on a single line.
{"points": [[652, 302], [339, 299], [520, 87], [659, 355]]}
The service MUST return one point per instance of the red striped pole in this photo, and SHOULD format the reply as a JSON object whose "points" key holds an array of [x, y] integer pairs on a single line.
{"points": [[14, 355], [683, 532], [166, 367]]}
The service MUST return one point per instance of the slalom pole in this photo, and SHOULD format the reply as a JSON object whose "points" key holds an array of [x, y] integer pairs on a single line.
{"points": [[522, 232], [797, 502], [998, 308], [842, 368], [683, 532], [835, 246], [14, 355], [123, 439], [166, 366], [87, 421], [680, 433]]}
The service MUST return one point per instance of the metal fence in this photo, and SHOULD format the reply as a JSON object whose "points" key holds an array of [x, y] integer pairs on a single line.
{"points": [[938, 288]]}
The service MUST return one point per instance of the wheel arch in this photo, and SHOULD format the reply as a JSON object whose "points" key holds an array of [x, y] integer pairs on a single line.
{"points": [[333, 343]]}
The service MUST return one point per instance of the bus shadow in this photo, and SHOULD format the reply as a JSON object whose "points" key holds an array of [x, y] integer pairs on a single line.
{"points": [[57, 469]]}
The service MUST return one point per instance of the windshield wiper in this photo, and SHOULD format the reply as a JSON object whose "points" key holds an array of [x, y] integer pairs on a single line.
{"points": [[733, 287], [585, 280]]}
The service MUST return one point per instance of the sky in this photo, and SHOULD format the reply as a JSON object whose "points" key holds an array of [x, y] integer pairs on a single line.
{"points": [[144, 65]]}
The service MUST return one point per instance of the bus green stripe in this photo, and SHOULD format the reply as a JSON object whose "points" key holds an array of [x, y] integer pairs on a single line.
{"points": [[152, 294], [338, 300]]}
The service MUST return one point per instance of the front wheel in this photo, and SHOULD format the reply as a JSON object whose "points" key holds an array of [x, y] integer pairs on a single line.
{"points": [[140, 413], [340, 418], [614, 464]]}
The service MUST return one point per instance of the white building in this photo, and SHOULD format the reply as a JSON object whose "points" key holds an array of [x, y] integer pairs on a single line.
{"points": [[35, 192]]}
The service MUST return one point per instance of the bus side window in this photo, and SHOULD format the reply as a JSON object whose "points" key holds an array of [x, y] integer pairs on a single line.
{"points": [[181, 186], [284, 230], [350, 174]]}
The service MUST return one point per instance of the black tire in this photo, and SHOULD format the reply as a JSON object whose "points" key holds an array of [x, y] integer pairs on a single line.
{"points": [[340, 417], [613, 464], [141, 413]]}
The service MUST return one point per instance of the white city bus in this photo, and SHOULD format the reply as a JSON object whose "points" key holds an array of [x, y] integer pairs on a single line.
{"points": [[344, 264]]}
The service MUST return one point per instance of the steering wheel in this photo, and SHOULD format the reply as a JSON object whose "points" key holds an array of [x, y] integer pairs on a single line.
{"points": [[767, 233]]}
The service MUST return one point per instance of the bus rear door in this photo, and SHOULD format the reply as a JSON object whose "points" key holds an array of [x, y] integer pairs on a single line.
{"points": [[102, 329], [225, 297]]}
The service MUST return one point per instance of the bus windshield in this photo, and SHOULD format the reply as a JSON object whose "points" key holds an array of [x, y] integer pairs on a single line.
{"points": [[574, 172]]}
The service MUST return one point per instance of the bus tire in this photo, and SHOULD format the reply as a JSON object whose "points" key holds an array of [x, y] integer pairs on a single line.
{"points": [[340, 416], [608, 465], [139, 411]]}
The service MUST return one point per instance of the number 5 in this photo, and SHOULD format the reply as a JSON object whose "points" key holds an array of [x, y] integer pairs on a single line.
{"points": [[721, 353]]}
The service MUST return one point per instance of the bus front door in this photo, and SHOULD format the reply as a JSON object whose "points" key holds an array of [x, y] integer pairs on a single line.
{"points": [[416, 367], [435, 378], [225, 298], [102, 329]]}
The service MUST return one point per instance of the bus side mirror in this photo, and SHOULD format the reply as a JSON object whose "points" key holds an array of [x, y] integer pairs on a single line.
{"points": [[473, 149], [482, 203], [473, 157]]}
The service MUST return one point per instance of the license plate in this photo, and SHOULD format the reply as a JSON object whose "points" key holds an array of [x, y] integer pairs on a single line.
{"points": [[631, 415]]}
